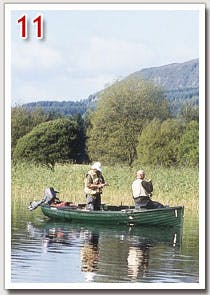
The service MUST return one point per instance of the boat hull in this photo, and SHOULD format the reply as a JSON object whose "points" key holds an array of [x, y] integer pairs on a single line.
{"points": [[169, 216]]}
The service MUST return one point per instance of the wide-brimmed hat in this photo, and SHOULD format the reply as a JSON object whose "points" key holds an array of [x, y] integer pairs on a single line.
{"points": [[97, 166]]}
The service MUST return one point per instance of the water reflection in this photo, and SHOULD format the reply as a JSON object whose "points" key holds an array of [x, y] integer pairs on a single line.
{"points": [[106, 253], [90, 252], [138, 260]]}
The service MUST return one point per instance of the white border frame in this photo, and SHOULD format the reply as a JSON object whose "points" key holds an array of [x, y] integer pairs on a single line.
{"points": [[111, 6]]}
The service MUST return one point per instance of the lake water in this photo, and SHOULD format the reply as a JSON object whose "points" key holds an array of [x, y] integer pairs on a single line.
{"points": [[44, 251]]}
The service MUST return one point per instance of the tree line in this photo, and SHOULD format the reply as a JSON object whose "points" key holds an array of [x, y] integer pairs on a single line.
{"points": [[64, 108], [132, 123]]}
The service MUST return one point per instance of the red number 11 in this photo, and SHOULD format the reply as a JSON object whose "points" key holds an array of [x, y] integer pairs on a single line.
{"points": [[24, 27]]}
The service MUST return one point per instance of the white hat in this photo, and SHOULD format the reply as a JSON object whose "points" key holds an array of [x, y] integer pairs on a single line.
{"points": [[140, 172], [97, 166]]}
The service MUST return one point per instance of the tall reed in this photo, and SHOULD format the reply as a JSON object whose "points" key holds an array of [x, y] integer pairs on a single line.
{"points": [[172, 186]]}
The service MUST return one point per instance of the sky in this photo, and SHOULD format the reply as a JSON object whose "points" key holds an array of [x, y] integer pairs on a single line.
{"points": [[82, 51]]}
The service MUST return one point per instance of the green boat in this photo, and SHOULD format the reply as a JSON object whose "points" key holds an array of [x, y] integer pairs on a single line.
{"points": [[167, 216]]}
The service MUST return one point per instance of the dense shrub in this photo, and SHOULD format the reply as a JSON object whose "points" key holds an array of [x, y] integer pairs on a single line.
{"points": [[169, 143], [50, 142]]}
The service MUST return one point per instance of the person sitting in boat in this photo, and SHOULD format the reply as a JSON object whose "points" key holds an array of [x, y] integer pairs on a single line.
{"points": [[49, 198], [52, 199], [94, 184], [142, 192]]}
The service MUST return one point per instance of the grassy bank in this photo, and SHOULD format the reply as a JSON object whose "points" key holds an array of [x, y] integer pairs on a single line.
{"points": [[172, 186]]}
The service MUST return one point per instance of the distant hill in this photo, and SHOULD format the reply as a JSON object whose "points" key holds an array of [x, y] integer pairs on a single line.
{"points": [[173, 76], [180, 81], [64, 108]]}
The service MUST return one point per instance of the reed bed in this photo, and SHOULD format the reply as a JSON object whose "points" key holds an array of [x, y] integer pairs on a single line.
{"points": [[172, 186]]}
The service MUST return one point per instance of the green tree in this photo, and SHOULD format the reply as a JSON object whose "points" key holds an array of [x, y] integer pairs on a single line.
{"points": [[119, 117], [81, 156], [149, 148], [189, 145], [23, 121], [49, 142], [159, 142]]}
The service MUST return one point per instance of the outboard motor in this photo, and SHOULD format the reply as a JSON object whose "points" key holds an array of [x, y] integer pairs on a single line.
{"points": [[33, 205]]}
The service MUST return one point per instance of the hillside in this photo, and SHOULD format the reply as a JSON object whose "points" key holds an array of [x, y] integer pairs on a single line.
{"points": [[177, 76], [64, 108], [179, 80]]}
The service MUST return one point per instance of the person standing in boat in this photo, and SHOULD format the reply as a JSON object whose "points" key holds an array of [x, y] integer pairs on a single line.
{"points": [[142, 192], [94, 184]]}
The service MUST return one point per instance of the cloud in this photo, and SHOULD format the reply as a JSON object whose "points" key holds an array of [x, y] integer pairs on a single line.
{"points": [[61, 88], [43, 72], [74, 72], [110, 55], [30, 55]]}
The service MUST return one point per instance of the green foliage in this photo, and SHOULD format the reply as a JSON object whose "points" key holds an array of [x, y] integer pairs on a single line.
{"points": [[23, 121], [111, 121], [159, 142], [49, 142], [82, 156], [188, 147], [120, 115], [190, 112]]}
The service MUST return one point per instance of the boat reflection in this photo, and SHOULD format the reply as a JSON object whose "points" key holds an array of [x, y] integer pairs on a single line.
{"points": [[106, 250]]}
